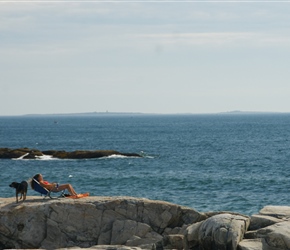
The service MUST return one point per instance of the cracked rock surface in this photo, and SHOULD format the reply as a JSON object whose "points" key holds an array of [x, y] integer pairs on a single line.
{"points": [[116, 223]]}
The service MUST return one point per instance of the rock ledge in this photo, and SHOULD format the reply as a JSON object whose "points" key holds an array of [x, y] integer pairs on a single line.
{"points": [[136, 223]]}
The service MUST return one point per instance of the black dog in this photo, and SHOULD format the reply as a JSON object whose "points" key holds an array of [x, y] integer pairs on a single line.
{"points": [[20, 188]]}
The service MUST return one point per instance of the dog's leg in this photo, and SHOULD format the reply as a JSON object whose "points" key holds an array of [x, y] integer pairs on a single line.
{"points": [[16, 197], [24, 196], [20, 196]]}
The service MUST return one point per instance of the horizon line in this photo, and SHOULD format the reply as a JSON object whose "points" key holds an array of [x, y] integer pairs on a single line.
{"points": [[143, 1], [145, 113]]}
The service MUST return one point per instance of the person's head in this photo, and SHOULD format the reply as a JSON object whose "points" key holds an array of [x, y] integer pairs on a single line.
{"points": [[37, 177]]}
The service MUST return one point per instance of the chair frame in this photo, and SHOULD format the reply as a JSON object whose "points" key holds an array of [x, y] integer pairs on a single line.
{"points": [[44, 191]]}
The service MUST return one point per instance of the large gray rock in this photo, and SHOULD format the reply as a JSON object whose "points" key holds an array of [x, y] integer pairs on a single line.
{"points": [[127, 223], [270, 230], [276, 236], [63, 223], [276, 211], [221, 231], [259, 221]]}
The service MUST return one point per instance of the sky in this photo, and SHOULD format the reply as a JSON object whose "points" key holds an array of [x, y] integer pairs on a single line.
{"points": [[144, 56]]}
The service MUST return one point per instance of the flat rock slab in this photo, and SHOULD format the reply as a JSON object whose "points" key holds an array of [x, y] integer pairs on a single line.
{"points": [[259, 221], [255, 244], [280, 212]]}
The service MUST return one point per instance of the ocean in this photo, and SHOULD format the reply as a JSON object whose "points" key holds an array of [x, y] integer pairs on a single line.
{"points": [[217, 162]]}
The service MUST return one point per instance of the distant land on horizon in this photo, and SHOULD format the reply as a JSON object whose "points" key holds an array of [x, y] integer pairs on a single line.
{"points": [[87, 113], [234, 112]]}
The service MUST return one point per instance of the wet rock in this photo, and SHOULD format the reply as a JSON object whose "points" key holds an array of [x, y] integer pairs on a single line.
{"points": [[26, 153]]}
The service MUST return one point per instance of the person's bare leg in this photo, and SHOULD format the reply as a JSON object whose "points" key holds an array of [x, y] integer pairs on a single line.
{"points": [[68, 187]]}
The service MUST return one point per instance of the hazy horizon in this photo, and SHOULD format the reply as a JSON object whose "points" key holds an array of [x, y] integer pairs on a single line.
{"points": [[234, 112]]}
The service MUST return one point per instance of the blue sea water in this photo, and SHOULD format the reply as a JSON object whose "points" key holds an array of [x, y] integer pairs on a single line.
{"points": [[218, 162]]}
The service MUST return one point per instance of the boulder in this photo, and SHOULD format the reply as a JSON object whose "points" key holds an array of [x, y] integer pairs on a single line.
{"points": [[269, 230], [281, 212], [221, 231], [259, 221], [276, 236]]}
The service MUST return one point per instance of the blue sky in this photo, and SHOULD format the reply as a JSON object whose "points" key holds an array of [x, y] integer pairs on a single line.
{"points": [[137, 56]]}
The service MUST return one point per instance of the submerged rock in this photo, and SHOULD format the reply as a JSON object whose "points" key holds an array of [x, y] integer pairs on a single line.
{"points": [[27, 153]]}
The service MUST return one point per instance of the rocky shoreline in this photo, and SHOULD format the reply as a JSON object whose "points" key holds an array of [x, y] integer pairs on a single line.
{"points": [[136, 223], [28, 153]]}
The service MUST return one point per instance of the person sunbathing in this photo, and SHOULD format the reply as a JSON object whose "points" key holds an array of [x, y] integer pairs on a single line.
{"points": [[54, 187]]}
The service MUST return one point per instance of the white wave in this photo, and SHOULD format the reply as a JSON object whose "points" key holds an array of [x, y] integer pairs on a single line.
{"points": [[41, 158], [116, 156], [21, 157], [45, 158], [50, 157], [145, 155], [148, 156]]}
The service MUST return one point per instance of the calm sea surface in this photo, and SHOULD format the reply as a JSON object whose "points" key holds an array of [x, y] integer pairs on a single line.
{"points": [[220, 162]]}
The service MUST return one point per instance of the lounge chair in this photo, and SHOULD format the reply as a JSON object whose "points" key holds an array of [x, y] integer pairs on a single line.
{"points": [[44, 191]]}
